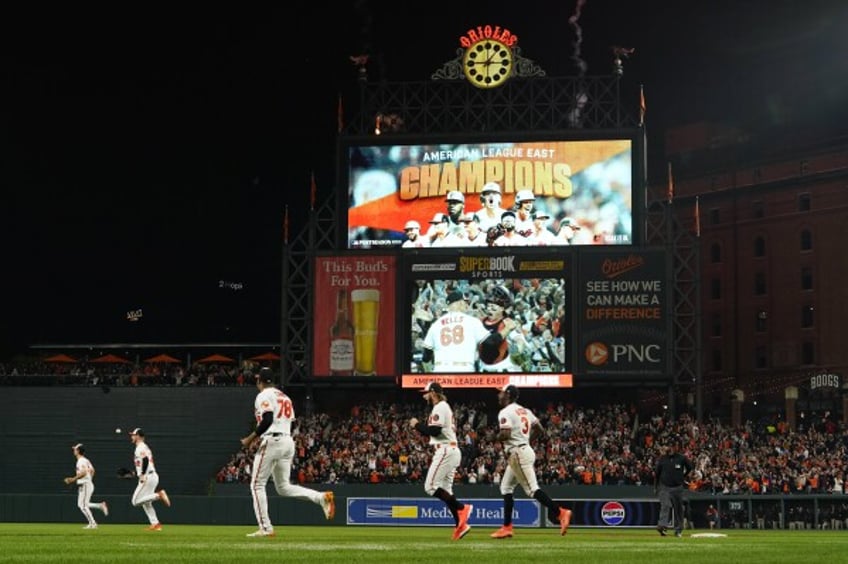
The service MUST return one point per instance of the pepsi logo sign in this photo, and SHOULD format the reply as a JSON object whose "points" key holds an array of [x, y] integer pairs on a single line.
{"points": [[613, 513]]}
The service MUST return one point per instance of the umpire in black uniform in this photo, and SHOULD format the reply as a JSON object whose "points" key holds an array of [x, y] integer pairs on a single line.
{"points": [[670, 475]]}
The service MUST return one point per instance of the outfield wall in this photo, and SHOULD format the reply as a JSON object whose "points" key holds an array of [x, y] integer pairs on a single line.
{"points": [[407, 505], [192, 431]]}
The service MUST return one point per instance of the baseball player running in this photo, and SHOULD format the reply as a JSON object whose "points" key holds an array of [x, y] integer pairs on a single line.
{"points": [[440, 427], [517, 424], [452, 340], [145, 492], [84, 479], [274, 415]]}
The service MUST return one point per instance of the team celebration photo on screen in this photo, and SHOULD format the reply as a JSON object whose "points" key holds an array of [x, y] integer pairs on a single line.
{"points": [[495, 325], [493, 194]]}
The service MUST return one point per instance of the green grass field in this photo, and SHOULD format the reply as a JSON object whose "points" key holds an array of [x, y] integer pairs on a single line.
{"points": [[50, 542]]}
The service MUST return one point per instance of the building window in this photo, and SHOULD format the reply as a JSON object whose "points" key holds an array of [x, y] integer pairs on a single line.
{"points": [[715, 289], [760, 321], [715, 252], [806, 278], [759, 209], [759, 247], [807, 316], [716, 360], [716, 325], [759, 284], [804, 203], [715, 217], [760, 359], [806, 240], [807, 353]]}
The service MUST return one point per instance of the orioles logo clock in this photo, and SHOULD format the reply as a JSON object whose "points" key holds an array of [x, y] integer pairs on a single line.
{"points": [[487, 63], [488, 58]]}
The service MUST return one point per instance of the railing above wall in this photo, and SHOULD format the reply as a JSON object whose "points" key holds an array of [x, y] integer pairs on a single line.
{"points": [[522, 104]]}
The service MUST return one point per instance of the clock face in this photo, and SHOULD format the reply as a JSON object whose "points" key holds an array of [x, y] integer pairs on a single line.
{"points": [[487, 63]]}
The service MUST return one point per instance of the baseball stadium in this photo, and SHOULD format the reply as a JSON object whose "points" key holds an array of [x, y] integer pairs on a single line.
{"points": [[498, 341]]}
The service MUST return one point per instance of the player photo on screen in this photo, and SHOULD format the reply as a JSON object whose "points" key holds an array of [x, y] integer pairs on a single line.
{"points": [[480, 326], [506, 194]]}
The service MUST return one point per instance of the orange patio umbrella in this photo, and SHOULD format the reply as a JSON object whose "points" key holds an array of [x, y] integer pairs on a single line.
{"points": [[216, 358], [266, 356], [60, 358], [111, 359], [163, 358]]}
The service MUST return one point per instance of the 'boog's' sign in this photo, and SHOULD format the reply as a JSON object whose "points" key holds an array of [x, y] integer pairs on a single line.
{"points": [[825, 381]]}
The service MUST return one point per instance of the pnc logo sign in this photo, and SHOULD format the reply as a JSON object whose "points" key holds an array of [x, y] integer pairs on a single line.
{"points": [[598, 354]]}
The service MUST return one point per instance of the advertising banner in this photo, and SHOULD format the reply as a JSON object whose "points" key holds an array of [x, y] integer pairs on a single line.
{"points": [[611, 513], [354, 316], [488, 512], [623, 315], [407, 512]]}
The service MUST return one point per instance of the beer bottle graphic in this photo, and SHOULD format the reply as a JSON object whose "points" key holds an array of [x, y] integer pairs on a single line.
{"points": [[341, 339]]}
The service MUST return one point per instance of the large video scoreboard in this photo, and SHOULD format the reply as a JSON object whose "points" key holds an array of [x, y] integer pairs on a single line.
{"points": [[585, 188], [483, 261]]}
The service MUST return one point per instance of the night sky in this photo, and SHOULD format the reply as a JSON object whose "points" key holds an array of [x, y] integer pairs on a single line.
{"points": [[148, 157]]}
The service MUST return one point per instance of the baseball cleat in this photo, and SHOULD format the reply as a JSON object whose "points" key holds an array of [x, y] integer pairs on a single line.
{"points": [[154, 527], [262, 533], [564, 520], [328, 504], [504, 532], [163, 495], [104, 508], [90, 526], [464, 514], [661, 530], [461, 531]]}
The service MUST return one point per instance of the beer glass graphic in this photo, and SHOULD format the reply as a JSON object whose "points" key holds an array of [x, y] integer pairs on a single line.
{"points": [[366, 309]]}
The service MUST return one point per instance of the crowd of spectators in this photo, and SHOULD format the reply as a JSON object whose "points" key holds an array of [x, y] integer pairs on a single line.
{"points": [[82, 373], [609, 445]]}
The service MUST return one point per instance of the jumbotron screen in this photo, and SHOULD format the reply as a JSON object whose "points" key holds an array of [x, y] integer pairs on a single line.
{"points": [[502, 193], [499, 323]]}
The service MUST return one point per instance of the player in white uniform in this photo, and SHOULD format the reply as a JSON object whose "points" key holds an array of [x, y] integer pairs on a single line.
{"points": [[473, 236], [524, 202], [274, 415], [489, 215], [518, 426], [453, 338], [145, 492], [84, 479], [412, 230], [542, 236], [441, 429]]}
